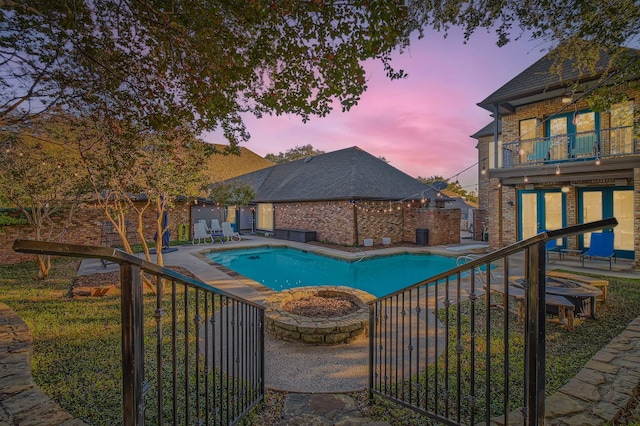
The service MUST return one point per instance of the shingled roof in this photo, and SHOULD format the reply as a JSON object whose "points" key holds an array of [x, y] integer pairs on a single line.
{"points": [[538, 82], [221, 167], [349, 173]]}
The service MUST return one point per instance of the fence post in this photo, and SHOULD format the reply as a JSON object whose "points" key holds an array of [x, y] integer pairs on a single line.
{"points": [[132, 345], [535, 332]]}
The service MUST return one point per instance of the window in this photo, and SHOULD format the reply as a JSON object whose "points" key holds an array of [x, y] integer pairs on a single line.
{"points": [[573, 135], [528, 129], [265, 216], [622, 128], [528, 132]]}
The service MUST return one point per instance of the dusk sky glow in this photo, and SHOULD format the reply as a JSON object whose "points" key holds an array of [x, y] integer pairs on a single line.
{"points": [[422, 124]]}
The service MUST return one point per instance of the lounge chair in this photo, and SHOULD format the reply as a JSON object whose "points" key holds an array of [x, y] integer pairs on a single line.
{"points": [[215, 226], [204, 223], [200, 233], [479, 271], [228, 232], [601, 247], [216, 230]]}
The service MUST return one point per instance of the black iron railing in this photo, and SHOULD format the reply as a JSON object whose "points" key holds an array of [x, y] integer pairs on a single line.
{"points": [[441, 348], [191, 354], [605, 143]]}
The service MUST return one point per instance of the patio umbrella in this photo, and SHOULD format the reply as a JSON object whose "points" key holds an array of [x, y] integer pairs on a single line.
{"points": [[165, 230], [166, 235]]}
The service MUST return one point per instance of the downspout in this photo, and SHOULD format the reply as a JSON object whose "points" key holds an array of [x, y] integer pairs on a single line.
{"points": [[355, 223]]}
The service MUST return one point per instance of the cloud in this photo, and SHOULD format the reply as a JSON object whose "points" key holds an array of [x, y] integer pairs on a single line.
{"points": [[421, 124]]}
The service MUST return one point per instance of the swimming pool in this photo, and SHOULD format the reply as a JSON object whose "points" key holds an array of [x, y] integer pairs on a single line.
{"points": [[282, 268]]}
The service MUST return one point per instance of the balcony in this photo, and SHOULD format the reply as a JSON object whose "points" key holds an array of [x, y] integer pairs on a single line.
{"points": [[593, 145]]}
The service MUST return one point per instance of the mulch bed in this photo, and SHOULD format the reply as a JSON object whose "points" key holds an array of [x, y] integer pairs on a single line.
{"points": [[321, 306]]}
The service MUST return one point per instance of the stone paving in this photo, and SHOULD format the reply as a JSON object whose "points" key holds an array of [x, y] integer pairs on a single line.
{"points": [[21, 401]]}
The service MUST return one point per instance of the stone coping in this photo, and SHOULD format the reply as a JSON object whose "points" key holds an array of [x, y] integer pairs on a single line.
{"points": [[314, 330], [21, 400]]}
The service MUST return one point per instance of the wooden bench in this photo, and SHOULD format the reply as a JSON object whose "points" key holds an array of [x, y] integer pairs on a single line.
{"points": [[566, 309], [595, 282]]}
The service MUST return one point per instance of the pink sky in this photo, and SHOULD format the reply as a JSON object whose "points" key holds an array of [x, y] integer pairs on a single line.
{"points": [[422, 124]]}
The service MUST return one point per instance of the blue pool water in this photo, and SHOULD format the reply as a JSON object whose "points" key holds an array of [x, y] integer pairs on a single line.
{"points": [[281, 268]]}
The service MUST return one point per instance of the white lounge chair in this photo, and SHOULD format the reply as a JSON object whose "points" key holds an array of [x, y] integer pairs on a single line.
{"points": [[200, 233], [228, 232], [215, 226], [204, 222], [216, 230]]}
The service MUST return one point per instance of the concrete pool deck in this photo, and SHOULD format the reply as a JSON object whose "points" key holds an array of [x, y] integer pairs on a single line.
{"points": [[290, 366]]}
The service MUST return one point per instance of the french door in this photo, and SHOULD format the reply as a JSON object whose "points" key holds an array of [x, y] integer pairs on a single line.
{"points": [[540, 210], [600, 203]]}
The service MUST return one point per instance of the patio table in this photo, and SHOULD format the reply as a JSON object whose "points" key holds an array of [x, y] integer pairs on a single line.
{"points": [[583, 296]]}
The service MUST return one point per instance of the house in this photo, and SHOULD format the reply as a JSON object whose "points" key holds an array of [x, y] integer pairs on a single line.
{"points": [[547, 160], [345, 197]]}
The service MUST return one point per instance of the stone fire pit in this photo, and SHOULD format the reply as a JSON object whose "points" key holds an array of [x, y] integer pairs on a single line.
{"points": [[318, 329]]}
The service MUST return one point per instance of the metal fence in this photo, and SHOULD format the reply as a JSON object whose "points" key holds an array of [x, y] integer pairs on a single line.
{"points": [[444, 349], [604, 143], [191, 353]]}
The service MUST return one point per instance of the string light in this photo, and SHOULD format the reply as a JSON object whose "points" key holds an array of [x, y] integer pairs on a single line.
{"points": [[526, 179], [557, 169]]}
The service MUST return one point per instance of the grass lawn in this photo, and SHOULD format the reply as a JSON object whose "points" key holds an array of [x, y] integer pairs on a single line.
{"points": [[76, 359]]}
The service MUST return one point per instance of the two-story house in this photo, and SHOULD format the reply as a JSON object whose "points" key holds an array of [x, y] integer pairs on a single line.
{"points": [[547, 160]]}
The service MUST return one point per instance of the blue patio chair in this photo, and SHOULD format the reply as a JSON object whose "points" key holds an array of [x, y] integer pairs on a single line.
{"points": [[601, 247], [540, 151], [552, 246]]}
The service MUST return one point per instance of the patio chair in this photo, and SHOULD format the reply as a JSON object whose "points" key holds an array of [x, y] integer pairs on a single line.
{"points": [[216, 230], [601, 247], [215, 226], [200, 233], [204, 223], [228, 232], [479, 271], [552, 246]]}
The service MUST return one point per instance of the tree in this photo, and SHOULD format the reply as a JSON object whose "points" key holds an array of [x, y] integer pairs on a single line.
{"points": [[41, 178], [231, 193], [163, 63], [160, 64], [293, 154], [133, 172]]}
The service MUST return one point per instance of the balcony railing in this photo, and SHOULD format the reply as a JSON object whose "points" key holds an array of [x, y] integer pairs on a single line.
{"points": [[440, 347], [191, 353], [618, 141]]}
